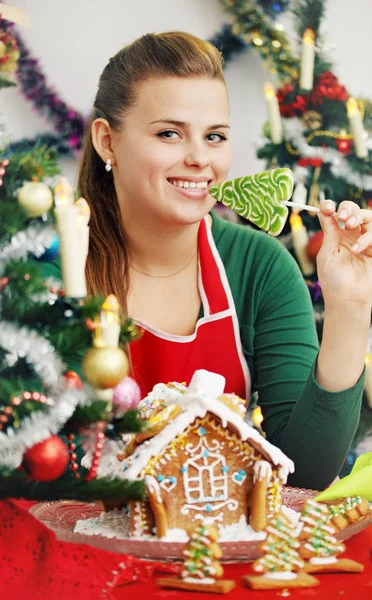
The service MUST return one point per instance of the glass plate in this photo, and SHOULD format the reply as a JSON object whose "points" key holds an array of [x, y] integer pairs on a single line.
{"points": [[61, 517]]}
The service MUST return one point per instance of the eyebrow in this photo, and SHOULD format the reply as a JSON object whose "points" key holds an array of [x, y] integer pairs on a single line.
{"points": [[187, 125]]}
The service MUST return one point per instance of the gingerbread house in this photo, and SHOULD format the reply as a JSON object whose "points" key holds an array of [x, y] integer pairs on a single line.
{"points": [[201, 462]]}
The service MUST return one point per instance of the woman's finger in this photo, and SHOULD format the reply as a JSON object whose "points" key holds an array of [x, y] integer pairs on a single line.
{"points": [[327, 207], [349, 213], [366, 218], [362, 243]]}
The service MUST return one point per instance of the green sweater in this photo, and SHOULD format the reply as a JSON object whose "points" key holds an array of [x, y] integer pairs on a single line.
{"points": [[312, 426]]}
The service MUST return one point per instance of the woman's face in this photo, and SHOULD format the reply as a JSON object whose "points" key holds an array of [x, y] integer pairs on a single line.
{"points": [[173, 145]]}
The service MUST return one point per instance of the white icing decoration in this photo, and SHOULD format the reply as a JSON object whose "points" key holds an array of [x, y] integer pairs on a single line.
{"points": [[239, 478], [209, 520], [262, 469], [153, 487], [206, 461], [167, 484], [229, 503], [285, 575], [317, 560], [116, 525]]}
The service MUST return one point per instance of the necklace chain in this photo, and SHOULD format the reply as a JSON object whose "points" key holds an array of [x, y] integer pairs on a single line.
{"points": [[165, 276]]}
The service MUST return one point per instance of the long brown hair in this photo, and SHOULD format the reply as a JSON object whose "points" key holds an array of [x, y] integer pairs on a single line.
{"points": [[171, 54]]}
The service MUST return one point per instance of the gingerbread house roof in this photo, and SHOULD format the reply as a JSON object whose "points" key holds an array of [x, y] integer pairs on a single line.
{"points": [[200, 398]]}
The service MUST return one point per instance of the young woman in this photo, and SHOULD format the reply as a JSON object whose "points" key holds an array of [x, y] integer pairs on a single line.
{"points": [[207, 293]]}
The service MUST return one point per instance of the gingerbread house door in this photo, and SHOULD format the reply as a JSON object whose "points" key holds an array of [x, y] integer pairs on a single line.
{"points": [[206, 481]]}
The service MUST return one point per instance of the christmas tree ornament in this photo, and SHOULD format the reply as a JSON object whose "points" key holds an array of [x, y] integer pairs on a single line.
{"points": [[35, 198], [344, 145], [105, 367], [72, 226], [266, 130], [46, 460], [126, 396], [275, 120], [300, 240], [73, 380], [201, 571], [314, 244], [259, 198], [51, 253], [357, 129], [307, 60], [312, 120]]}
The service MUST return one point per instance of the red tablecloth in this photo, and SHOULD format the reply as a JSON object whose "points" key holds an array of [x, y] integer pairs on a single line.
{"points": [[35, 566]]}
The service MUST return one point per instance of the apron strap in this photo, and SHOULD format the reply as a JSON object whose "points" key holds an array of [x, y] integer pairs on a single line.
{"points": [[211, 279]]}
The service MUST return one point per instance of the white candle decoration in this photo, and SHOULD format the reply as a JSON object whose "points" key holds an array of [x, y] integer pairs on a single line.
{"points": [[73, 231], [109, 325], [368, 379], [357, 129], [300, 240], [307, 60], [275, 120]]}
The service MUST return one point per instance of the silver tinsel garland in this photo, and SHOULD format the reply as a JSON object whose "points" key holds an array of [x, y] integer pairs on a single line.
{"points": [[294, 133], [33, 240], [38, 427], [36, 350], [41, 356]]}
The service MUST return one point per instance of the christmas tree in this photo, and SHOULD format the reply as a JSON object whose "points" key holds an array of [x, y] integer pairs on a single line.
{"points": [[61, 354], [317, 129]]}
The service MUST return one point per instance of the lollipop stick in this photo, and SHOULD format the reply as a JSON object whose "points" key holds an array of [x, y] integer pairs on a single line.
{"points": [[313, 208], [302, 206]]}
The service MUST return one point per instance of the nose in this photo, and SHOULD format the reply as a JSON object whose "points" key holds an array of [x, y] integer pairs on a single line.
{"points": [[197, 156]]}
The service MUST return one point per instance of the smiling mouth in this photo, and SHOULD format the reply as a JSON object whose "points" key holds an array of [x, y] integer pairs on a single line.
{"points": [[190, 185]]}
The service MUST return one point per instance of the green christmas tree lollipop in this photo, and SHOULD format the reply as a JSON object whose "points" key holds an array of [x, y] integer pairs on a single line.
{"points": [[259, 198]]}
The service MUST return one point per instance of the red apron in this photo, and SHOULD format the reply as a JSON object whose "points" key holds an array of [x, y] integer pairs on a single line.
{"points": [[215, 345]]}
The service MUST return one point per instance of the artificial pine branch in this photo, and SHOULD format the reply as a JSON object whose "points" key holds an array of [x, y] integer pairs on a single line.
{"points": [[103, 488], [32, 164], [309, 15], [98, 410], [129, 422]]}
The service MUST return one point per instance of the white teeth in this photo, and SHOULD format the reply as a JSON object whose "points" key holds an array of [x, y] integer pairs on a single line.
{"points": [[189, 184]]}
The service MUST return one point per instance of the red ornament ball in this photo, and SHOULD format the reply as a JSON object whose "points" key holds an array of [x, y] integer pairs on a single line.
{"points": [[46, 460], [344, 146], [314, 244], [73, 380]]}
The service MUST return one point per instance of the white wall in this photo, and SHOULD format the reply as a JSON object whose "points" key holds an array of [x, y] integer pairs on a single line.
{"points": [[74, 39]]}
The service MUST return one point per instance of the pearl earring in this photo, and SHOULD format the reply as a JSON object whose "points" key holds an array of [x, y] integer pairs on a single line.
{"points": [[108, 166]]}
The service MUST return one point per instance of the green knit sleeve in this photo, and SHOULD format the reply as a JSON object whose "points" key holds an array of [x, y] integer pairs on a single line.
{"points": [[312, 426]]}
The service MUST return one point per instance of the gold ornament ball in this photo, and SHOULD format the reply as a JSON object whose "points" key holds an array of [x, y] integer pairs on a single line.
{"points": [[105, 367], [2, 49], [35, 198]]}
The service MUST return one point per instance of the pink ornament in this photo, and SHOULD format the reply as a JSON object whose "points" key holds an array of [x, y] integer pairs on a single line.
{"points": [[127, 395]]}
